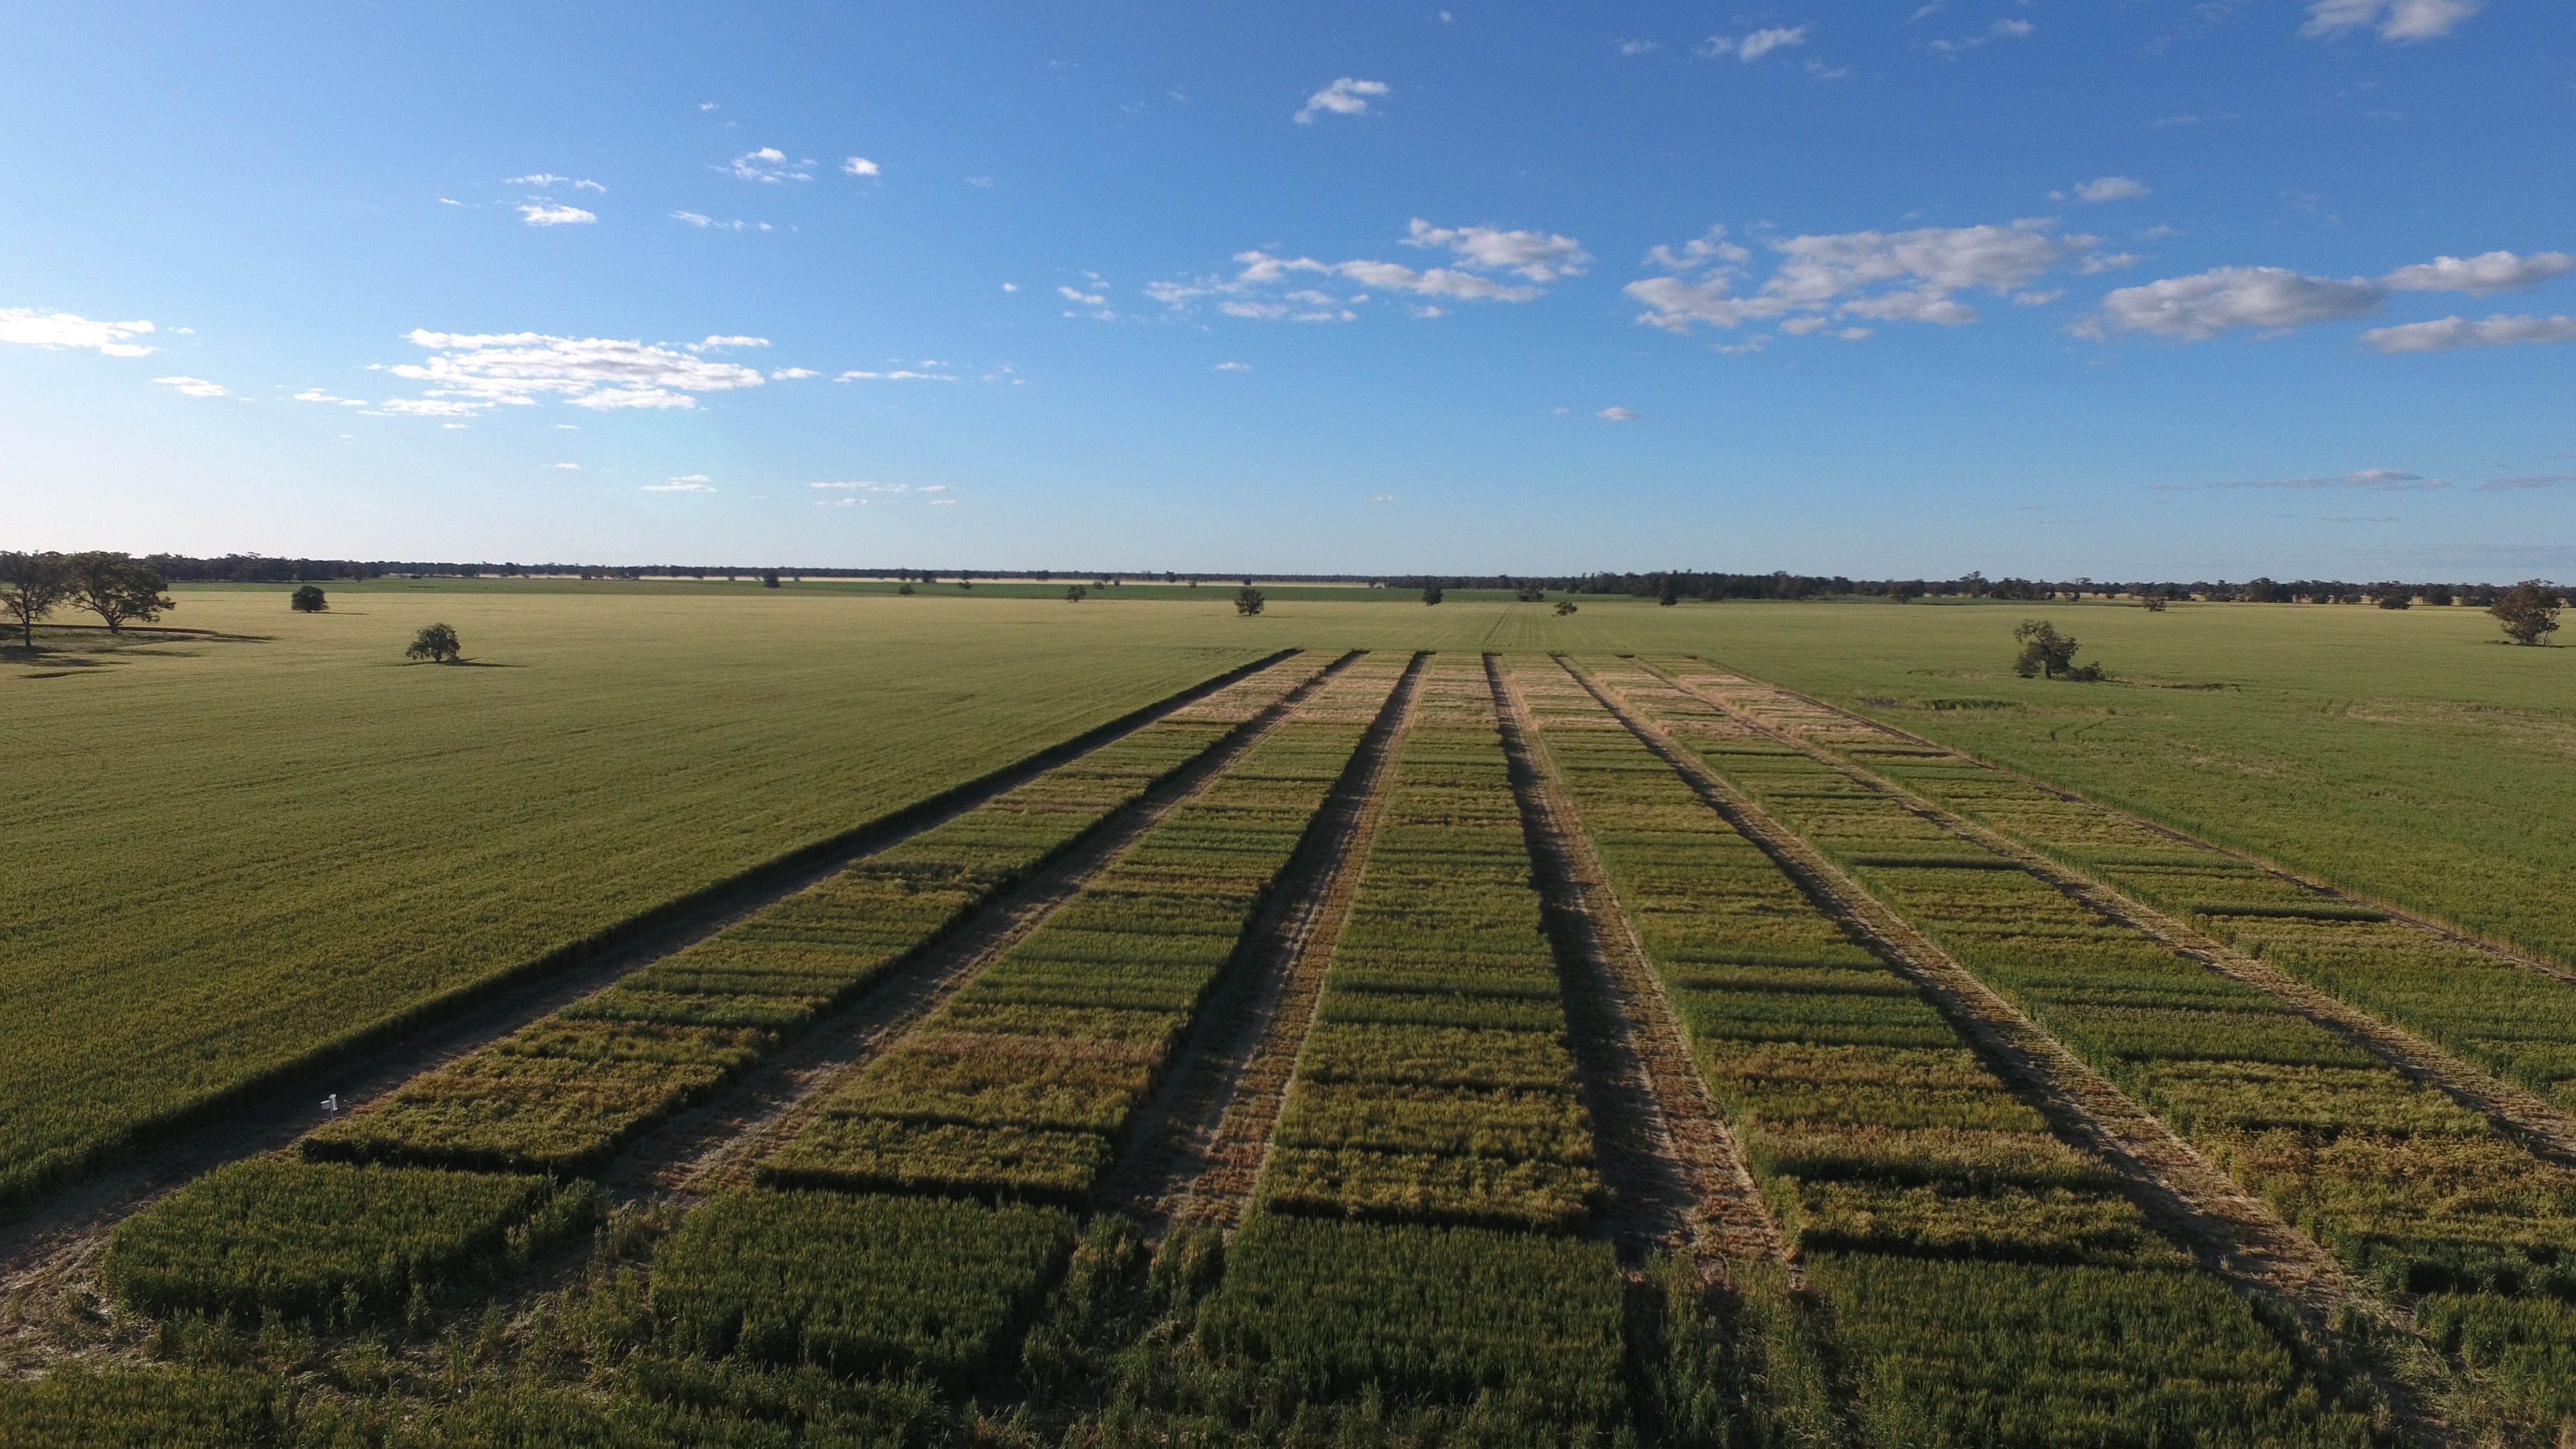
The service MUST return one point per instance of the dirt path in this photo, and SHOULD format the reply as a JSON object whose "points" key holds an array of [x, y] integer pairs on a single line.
{"points": [[715, 1146], [2548, 1130], [1670, 1167], [63, 1231], [2232, 1233], [1199, 1146]]}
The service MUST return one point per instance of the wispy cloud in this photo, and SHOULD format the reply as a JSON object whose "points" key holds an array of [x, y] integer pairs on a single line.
{"points": [[61, 329], [195, 386], [1909, 276], [2276, 299], [317, 395], [768, 165], [544, 179], [541, 213], [1618, 415], [2528, 480], [707, 223], [688, 483], [1639, 47], [2383, 480], [2450, 332], [2103, 188], [567, 467], [860, 166], [1752, 47], [721, 343], [471, 372], [2402, 21], [897, 375], [791, 373], [1234, 367], [1345, 97], [1249, 293]]}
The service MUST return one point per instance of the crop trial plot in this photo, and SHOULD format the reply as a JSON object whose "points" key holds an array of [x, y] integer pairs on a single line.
{"points": [[1948, 1229]]}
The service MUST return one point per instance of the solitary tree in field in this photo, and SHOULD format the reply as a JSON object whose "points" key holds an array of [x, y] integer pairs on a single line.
{"points": [[1431, 593], [438, 644], [310, 599], [30, 585], [1564, 607], [1530, 594], [905, 587], [1248, 600], [2044, 651], [1075, 593], [1671, 594], [116, 588], [2528, 612]]}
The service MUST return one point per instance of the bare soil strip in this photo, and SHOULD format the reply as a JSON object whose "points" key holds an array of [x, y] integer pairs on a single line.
{"points": [[2545, 1128], [1674, 1176], [290, 1106], [714, 1146], [1223, 1161], [1199, 1146]]}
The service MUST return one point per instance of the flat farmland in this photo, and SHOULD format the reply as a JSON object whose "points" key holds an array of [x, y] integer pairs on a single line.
{"points": [[226, 853], [2017, 1121]]}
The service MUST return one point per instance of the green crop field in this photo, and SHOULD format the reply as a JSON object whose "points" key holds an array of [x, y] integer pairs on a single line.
{"points": [[238, 852]]}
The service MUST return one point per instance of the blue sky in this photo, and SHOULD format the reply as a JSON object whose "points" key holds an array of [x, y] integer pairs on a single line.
{"points": [[2032, 286]]}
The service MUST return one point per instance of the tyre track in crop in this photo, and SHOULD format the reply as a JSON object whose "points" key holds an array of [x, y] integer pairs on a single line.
{"points": [[1230, 1143], [1199, 1147], [2178, 1187], [2548, 1130], [714, 1146], [1670, 1168], [63, 1226]]}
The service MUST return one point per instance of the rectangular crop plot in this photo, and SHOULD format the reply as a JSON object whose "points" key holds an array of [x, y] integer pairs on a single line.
{"points": [[1436, 1085], [1949, 1232], [565, 1093], [328, 1241], [858, 1284], [1023, 1084]]}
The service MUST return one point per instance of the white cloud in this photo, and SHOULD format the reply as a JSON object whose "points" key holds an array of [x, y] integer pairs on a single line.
{"points": [[2214, 301], [1639, 47], [1344, 97], [568, 467], [2101, 262], [62, 329], [1537, 255], [2104, 188], [1010, 286], [719, 343], [2493, 272], [545, 179], [986, 182], [789, 373], [540, 213], [1890, 276], [1383, 498], [860, 166], [449, 201], [768, 164], [1234, 367], [195, 386], [691, 483], [2395, 20], [1088, 299], [430, 407], [2386, 480], [1756, 45], [1618, 415], [467, 373], [898, 375], [317, 395], [2037, 299], [2450, 332]]}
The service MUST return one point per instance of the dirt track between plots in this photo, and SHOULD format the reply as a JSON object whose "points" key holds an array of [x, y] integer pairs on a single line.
{"points": [[715, 1146], [1670, 1168], [63, 1228], [1200, 1146]]}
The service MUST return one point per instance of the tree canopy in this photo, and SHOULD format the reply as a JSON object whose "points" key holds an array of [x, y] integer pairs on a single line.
{"points": [[2046, 652], [437, 643], [2528, 612], [308, 600], [1248, 600], [116, 588], [31, 584]]}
